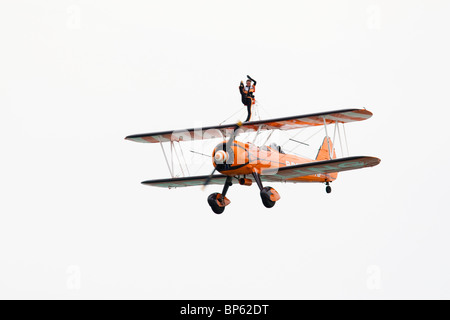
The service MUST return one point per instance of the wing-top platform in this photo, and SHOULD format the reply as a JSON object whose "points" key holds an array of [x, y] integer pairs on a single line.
{"points": [[288, 123]]}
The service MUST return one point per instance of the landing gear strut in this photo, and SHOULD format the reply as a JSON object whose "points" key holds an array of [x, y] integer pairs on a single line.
{"points": [[218, 201], [328, 188], [269, 195]]}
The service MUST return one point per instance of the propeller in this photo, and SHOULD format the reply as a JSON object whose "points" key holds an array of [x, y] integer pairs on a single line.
{"points": [[227, 147]]}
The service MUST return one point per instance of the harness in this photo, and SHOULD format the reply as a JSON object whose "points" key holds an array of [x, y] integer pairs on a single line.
{"points": [[248, 91]]}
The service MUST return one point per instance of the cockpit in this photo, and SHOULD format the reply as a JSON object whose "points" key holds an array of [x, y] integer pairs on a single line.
{"points": [[277, 148], [272, 146]]}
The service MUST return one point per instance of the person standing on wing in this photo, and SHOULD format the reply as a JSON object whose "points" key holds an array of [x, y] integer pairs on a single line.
{"points": [[247, 95]]}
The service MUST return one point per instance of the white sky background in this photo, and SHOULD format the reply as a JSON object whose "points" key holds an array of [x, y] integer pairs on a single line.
{"points": [[76, 77]]}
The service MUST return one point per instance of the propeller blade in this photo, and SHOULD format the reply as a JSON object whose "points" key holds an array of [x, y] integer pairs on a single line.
{"points": [[208, 180], [233, 136]]}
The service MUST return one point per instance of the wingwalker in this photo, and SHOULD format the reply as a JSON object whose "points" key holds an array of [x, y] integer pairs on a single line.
{"points": [[247, 163]]}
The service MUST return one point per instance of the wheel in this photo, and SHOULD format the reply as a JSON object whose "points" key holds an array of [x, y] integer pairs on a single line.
{"points": [[265, 196], [328, 189], [212, 201]]}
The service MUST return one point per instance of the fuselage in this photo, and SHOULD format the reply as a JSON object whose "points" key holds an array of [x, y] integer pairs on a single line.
{"points": [[245, 158]]}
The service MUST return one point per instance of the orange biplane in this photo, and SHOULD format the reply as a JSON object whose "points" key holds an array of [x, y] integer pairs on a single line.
{"points": [[246, 163]]}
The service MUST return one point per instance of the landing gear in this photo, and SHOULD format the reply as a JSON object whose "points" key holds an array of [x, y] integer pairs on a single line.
{"points": [[269, 195], [266, 193], [328, 188], [218, 201]]}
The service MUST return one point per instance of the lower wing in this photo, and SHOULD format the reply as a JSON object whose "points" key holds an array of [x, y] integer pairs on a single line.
{"points": [[217, 179], [277, 174]]}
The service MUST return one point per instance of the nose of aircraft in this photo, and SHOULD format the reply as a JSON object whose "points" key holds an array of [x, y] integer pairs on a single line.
{"points": [[221, 157]]}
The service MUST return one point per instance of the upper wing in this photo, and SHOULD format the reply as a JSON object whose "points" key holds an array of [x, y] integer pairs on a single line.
{"points": [[218, 179], [319, 167], [289, 123]]}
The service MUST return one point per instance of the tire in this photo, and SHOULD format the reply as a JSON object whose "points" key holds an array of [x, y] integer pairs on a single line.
{"points": [[328, 189], [212, 201], [265, 197]]}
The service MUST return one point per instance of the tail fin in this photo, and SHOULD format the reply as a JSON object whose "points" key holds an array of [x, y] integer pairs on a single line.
{"points": [[324, 154]]}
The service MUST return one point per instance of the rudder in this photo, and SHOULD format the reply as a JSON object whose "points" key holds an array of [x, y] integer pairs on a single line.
{"points": [[324, 154]]}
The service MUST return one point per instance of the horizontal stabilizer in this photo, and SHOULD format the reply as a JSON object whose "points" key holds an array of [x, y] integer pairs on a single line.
{"points": [[319, 167]]}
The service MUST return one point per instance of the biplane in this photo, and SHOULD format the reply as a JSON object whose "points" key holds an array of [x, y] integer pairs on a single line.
{"points": [[246, 163]]}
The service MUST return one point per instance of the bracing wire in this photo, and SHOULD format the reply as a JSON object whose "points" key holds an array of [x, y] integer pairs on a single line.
{"points": [[310, 137], [240, 110], [261, 108], [294, 136]]}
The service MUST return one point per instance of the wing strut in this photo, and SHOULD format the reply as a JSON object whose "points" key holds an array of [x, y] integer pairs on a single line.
{"points": [[176, 154], [340, 140], [345, 137], [334, 137], [257, 134], [184, 159], [171, 162], [270, 135], [167, 161]]}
